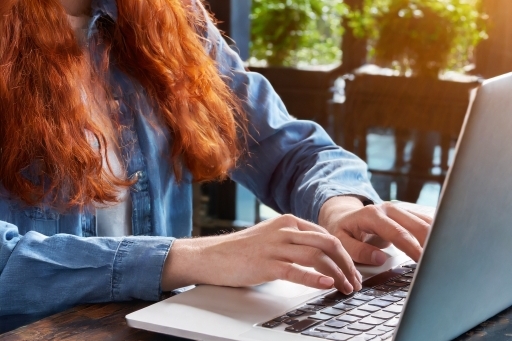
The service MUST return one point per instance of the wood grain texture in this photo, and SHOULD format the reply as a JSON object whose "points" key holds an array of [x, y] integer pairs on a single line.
{"points": [[91, 322]]}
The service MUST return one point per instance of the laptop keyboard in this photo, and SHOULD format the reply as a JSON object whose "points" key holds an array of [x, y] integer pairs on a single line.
{"points": [[370, 314]]}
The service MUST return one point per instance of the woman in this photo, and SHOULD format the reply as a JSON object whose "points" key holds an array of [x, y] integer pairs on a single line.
{"points": [[109, 112]]}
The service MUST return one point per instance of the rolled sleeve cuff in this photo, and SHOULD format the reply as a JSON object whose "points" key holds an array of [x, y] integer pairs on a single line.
{"points": [[137, 269]]}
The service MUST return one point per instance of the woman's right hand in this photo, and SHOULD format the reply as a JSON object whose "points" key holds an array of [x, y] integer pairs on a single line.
{"points": [[284, 248]]}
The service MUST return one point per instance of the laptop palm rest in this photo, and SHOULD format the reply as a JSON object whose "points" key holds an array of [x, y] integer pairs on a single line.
{"points": [[224, 313]]}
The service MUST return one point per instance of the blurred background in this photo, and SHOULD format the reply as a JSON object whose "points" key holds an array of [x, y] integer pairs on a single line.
{"points": [[389, 80]]}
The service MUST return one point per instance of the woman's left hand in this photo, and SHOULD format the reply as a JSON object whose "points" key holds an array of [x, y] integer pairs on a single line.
{"points": [[364, 230]]}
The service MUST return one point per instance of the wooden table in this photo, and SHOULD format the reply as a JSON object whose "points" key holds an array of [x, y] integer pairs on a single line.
{"points": [[106, 322], [90, 322]]}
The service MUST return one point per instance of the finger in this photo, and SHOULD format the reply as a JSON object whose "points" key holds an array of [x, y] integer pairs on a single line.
{"points": [[332, 247], [364, 253], [376, 222], [376, 241], [313, 257], [289, 220], [426, 218], [300, 275], [418, 227]]}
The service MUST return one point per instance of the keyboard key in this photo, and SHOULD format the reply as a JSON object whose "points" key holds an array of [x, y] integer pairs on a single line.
{"points": [[338, 337], [315, 333], [282, 318], [384, 277], [326, 329], [336, 324], [355, 302], [360, 326], [369, 308], [302, 325], [344, 307], [332, 311], [380, 303], [376, 293], [383, 315], [392, 322], [363, 337], [338, 296], [365, 297], [397, 284], [358, 313], [400, 293], [404, 279], [396, 309], [295, 313], [376, 331], [410, 266], [390, 298], [372, 320], [409, 275], [406, 289], [311, 308], [387, 329], [271, 324], [347, 318], [321, 317], [385, 288], [322, 302], [290, 321], [350, 331], [387, 336]]}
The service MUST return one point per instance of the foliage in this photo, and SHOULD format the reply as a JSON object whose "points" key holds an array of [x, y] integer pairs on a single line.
{"points": [[422, 36], [296, 32]]}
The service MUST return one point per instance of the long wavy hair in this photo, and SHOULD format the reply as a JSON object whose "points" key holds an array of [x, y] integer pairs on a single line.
{"points": [[48, 85]]}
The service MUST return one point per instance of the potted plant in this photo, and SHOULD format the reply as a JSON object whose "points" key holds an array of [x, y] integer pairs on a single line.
{"points": [[422, 48], [420, 37], [295, 44]]}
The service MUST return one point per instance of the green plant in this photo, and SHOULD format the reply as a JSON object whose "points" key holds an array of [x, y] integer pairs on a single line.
{"points": [[296, 32], [420, 36]]}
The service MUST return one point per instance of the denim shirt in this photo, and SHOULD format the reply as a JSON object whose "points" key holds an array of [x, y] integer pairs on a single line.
{"points": [[51, 261]]}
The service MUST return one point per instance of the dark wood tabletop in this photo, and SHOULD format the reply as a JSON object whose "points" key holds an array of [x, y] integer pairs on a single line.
{"points": [[90, 322], [106, 322]]}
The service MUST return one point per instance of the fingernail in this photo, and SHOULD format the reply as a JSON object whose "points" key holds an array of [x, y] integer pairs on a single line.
{"points": [[359, 277], [378, 257], [326, 282], [348, 287], [357, 286]]}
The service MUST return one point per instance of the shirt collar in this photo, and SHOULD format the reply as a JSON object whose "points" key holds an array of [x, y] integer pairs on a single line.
{"points": [[104, 8]]}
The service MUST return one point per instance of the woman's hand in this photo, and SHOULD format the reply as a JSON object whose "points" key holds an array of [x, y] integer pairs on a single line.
{"points": [[364, 230], [282, 248]]}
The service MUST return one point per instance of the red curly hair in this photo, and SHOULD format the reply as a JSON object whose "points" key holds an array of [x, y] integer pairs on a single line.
{"points": [[45, 75]]}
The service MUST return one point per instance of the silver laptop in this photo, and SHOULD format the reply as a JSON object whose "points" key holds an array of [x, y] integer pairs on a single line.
{"points": [[462, 279]]}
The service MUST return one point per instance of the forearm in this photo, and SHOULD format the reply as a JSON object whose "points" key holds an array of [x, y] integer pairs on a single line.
{"points": [[41, 274]]}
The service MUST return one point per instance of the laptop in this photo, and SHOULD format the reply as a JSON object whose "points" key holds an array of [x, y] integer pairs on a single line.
{"points": [[462, 279]]}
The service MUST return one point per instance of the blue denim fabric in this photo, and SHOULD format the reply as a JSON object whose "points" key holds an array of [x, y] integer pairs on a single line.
{"points": [[50, 261]]}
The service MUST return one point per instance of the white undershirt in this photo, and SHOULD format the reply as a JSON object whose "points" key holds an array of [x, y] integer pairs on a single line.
{"points": [[116, 220]]}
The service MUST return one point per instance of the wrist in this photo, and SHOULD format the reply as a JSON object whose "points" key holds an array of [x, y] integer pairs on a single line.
{"points": [[181, 265], [334, 207]]}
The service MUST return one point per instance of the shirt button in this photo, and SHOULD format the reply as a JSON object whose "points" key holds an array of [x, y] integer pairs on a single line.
{"points": [[138, 175]]}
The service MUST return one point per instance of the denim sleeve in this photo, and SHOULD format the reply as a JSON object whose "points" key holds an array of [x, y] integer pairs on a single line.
{"points": [[40, 274], [293, 166]]}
